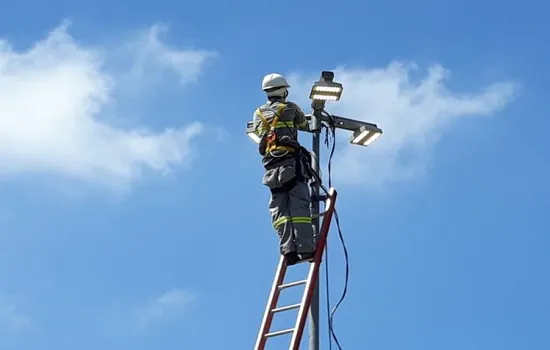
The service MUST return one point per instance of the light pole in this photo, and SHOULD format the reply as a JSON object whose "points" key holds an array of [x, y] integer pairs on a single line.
{"points": [[325, 89]]}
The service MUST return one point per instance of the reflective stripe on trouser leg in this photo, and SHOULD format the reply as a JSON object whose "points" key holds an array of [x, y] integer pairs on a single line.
{"points": [[291, 217], [279, 211], [300, 207]]}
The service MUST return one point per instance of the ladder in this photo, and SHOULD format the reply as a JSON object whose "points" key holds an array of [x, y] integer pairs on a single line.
{"points": [[279, 285]]}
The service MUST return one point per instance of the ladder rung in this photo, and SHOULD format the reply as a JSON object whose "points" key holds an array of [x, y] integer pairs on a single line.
{"points": [[286, 308], [292, 284], [284, 331]]}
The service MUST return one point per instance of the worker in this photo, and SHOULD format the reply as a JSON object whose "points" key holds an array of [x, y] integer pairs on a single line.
{"points": [[287, 167]]}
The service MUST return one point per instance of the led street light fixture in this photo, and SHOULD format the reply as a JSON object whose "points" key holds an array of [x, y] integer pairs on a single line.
{"points": [[325, 89], [365, 135]]}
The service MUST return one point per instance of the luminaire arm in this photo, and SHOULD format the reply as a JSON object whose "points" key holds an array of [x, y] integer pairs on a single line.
{"points": [[339, 123]]}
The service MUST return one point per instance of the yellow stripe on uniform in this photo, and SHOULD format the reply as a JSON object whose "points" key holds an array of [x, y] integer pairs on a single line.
{"points": [[275, 122], [289, 124], [292, 219]]}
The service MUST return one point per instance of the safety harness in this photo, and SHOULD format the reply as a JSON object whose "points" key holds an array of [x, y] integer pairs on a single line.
{"points": [[270, 137], [270, 143]]}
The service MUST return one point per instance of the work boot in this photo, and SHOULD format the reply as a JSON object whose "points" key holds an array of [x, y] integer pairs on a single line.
{"points": [[291, 258], [308, 256]]}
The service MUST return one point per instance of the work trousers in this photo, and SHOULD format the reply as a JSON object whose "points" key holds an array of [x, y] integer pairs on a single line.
{"points": [[291, 218]]}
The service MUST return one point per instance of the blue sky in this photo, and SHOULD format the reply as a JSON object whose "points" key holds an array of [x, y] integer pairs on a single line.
{"points": [[134, 216]]}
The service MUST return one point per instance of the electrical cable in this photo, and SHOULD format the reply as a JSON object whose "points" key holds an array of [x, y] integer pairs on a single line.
{"points": [[332, 129], [346, 279], [327, 275], [330, 132], [327, 285]]}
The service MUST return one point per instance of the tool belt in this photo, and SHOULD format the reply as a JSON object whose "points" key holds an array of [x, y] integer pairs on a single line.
{"points": [[283, 173]]}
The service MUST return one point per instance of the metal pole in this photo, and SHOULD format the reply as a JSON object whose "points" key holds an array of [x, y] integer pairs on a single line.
{"points": [[316, 148]]}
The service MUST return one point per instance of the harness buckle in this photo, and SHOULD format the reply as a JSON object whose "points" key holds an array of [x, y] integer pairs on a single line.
{"points": [[271, 136]]}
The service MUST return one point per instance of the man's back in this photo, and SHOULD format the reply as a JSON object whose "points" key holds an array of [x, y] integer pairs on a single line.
{"points": [[290, 118]]}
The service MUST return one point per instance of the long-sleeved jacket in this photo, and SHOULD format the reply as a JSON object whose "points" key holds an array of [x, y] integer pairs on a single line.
{"points": [[286, 118]]}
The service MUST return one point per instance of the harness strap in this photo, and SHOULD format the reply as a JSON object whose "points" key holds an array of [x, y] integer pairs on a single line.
{"points": [[270, 128], [266, 124], [280, 148]]}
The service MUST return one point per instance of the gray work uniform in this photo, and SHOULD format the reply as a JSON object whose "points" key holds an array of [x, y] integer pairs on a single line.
{"points": [[290, 202]]}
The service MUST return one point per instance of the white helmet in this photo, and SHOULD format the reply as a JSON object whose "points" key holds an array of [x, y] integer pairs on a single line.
{"points": [[275, 85]]}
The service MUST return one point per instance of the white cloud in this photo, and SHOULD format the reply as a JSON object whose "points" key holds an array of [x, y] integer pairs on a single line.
{"points": [[11, 318], [153, 56], [165, 307], [52, 102], [412, 115]]}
